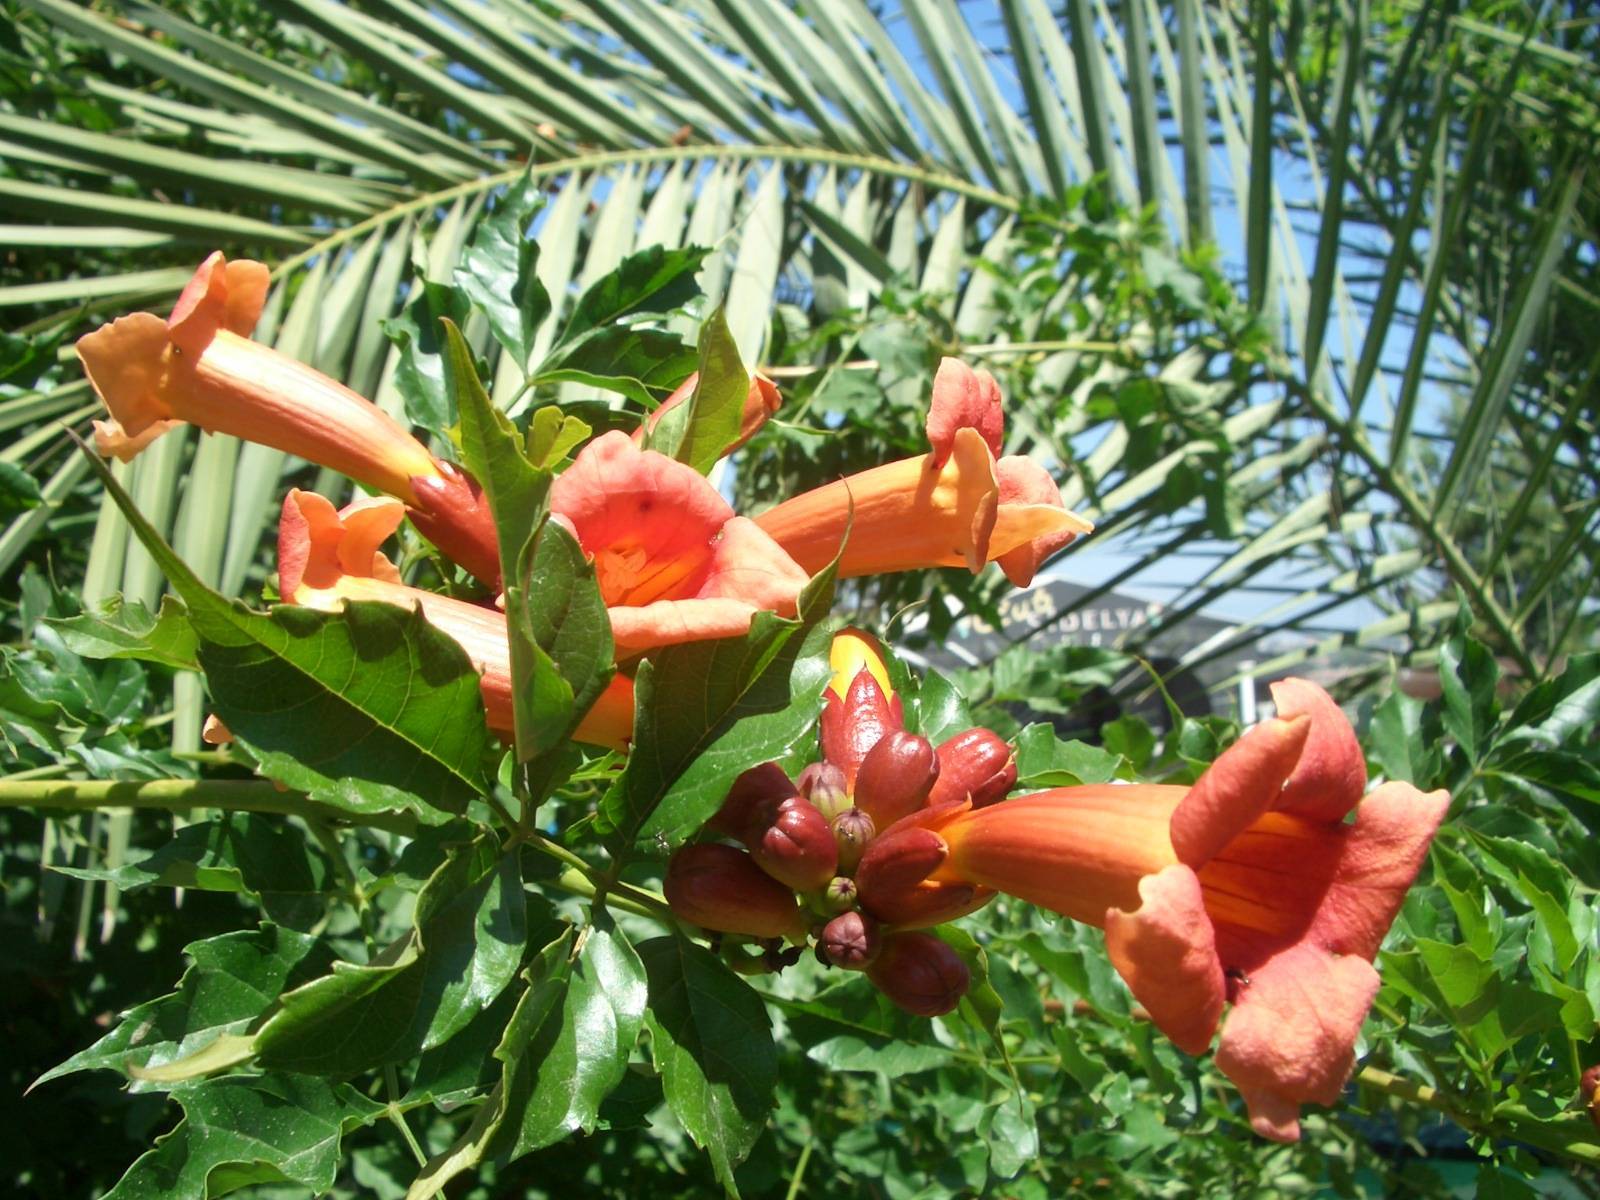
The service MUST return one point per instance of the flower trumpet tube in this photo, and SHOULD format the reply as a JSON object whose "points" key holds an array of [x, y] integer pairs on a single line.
{"points": [[1250, 888], [720, 888], [961, 504], [328, 556], [760, 403], [673, 562], [200, 366]]}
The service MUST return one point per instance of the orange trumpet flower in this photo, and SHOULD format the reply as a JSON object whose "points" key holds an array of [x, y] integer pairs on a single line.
{"points": [[329, 556], [200, 366], [1249, 889], [673, 561], [961, 504]]}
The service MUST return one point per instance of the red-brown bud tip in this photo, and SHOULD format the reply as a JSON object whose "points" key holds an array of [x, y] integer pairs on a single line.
{"points": [[753, 801], [897, 861], [853, 725], [850, 941], [453, 513], [798, 847], [1589, 1093], [852, 830], [823, 784], [720, 888], [896, 777], [789, 839], [920, 973], [975, 763]]}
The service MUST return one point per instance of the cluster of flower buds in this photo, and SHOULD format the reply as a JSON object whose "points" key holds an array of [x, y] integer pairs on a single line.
{"points": [[831, 858]]}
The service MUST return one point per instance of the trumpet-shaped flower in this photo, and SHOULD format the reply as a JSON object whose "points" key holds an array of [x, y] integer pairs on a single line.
{"points": [[673, 561], [200, 366], [328, 556], [859, 706], [961, 504], [1250, 888]]}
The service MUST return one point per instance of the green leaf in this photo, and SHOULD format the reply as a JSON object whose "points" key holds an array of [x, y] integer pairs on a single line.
{"points": [[552, 434], [233, 979], [1398, 744], [19, 491], [23, 359], [367, 710], [473, 921], [244, 1130], [499, 271], [710, 710], [940, 709], [424, 989], [711, 1041], [654, 280], [1469, 676], [121, 628], [641, 364], [420, 373], [1044, 760], [351, 1020], [888, 1057], [564, 616], [558, 1073], [700, 432], [246, 853]]}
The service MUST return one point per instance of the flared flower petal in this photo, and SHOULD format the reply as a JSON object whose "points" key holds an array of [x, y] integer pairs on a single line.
{"points": [[1290, 1037], [1332, 772], [1166, 951], [1025, 489], [1245, 781], [964, 399], [673, 562]]}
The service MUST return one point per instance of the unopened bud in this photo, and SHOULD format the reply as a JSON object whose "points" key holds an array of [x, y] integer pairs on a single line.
{"points": [[920, 973], [720, 888], [823, 784], [852, 830], [896, 777], [858, 708], [851, 941], [789, 839], [840, 894], [976, 763], [1589, 1093]]}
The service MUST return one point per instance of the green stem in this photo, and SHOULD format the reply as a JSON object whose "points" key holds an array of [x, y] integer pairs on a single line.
{"points": [[800, 1169], [651, 904], [1514, 1121], [231, 795]]}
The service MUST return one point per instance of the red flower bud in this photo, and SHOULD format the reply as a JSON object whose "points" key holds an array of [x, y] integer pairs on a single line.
{"points": [[853, 724], [851, 941], [789, 839], [852, 831], [896, 777], [720, 888], [899, 860], [1589, 1093], [975, 763], [823, 784], [920, 973]]}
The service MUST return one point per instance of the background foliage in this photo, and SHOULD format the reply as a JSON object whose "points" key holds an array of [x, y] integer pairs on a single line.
{"points": [[1296, 295]]}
